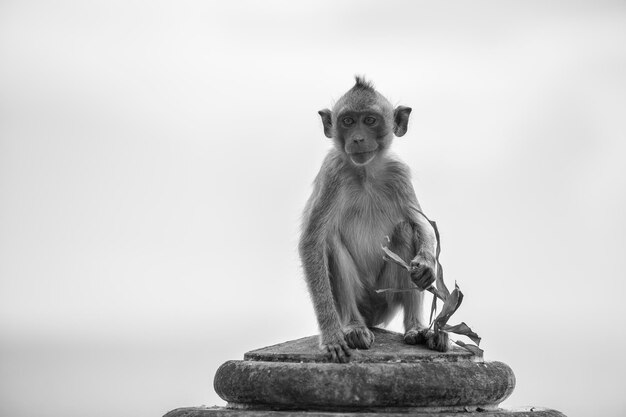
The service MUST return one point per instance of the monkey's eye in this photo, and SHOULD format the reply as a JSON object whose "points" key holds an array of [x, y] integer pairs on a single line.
{"points": [[369, 120], [348, 121]]}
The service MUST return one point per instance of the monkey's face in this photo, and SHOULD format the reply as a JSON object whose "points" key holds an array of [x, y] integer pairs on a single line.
{"points": [[363, 123], [362, 135]]}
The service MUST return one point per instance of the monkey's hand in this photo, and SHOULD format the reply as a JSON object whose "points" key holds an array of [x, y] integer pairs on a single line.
{"points": [[334, 344], [423, 271]]}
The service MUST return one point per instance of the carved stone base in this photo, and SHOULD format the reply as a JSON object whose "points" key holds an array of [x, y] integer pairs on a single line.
{"points": [[225, 412], [390, 379]]}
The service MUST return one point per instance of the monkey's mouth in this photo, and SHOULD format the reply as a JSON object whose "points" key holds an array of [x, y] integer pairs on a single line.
{"points": [[362, 158]]}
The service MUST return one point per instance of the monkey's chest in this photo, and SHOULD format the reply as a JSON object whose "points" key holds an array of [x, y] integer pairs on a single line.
{"points": [[364, 226]]}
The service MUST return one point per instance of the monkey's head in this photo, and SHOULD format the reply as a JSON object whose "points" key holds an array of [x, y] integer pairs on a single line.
{"points": [[363, 122]]}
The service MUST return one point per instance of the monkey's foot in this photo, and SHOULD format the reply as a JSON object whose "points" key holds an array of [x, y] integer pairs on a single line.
{"points": [[438, 341], [434, 341], [359, 337], [416, 336]]}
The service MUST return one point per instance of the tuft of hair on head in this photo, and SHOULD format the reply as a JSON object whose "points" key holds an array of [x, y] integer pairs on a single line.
{"points": [[362, 83]]}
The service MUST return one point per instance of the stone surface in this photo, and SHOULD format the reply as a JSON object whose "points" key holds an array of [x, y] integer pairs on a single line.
{"points": [[391, 374], [224, 412], [388, 347]]}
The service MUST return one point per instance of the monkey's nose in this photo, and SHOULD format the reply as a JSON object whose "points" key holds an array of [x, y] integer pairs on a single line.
{"points": [[358, 139]]}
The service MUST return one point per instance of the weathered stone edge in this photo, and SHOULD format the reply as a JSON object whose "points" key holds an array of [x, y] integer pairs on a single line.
{"points": [[363, 385], [357, 357], [225, 412]]}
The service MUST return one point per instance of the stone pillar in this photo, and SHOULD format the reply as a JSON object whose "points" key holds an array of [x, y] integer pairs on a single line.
{"points": [[390, 379]]}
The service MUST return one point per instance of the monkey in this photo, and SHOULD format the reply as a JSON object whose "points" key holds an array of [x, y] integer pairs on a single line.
{"points": [[361, 195]]}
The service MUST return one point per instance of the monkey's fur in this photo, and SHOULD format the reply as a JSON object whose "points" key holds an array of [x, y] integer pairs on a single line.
{"points": [[361, 195]]}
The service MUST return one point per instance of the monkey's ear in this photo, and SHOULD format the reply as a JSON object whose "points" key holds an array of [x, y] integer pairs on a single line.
{"points": [[401, 120], [327, 121]]}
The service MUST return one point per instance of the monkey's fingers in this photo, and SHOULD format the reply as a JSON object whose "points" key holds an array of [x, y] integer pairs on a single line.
{"points": [[423, 277], [339, 354], [332, 354], [427, 280], [345, 350]]}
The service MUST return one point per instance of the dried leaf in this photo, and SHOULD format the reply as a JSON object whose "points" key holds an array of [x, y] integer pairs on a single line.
{"points": [[452, 300], [433, 309], [395, 290], [389, 255], [472, 348], [433, 290], [441, 286], [451, 304], [463, 329]]}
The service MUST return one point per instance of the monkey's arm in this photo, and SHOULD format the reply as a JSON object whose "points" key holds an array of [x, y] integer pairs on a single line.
{"points": [[425, 260], [314, 253], [424, 241], [314, 259]]}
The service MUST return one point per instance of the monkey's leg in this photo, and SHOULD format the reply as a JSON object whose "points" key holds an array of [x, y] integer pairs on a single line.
{"points": [[346, 286], [425, 245], [416, 328], [403, 242]]}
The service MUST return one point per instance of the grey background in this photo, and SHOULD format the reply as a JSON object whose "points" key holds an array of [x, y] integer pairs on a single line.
{"points": [[155, 158]]}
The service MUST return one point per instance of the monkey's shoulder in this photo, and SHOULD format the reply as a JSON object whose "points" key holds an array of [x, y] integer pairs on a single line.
{"points": [[329, 176]]}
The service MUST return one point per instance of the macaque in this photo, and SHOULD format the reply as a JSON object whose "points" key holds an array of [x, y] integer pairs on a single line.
{"points": [[362, 199]]}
